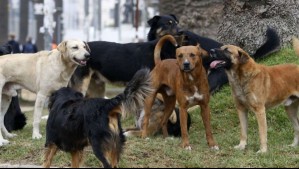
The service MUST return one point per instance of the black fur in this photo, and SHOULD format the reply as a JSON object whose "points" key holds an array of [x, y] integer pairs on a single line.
{"points": [[74, 121], [174, 129], [14, 119]]}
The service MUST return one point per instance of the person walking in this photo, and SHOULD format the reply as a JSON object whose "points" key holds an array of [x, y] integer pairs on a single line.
{"points": [[29, 47], [14, 44]]}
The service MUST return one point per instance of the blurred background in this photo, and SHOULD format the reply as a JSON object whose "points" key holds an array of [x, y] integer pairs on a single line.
{"points": [[51, 21], [239, 22]]}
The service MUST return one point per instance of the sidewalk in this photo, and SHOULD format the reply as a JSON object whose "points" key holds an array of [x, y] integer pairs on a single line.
{"points": [[18, 166]]}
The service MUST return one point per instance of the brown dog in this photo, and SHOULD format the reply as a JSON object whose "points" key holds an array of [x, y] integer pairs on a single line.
{"points": [[256, 87], [183, 80]]}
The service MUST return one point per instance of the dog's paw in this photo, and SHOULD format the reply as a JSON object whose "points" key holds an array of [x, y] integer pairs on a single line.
{"points": [[36, 136], [240, 147], [293, 145], [261, 151], [189, 148], [216, 148], [10, 135], [45, 117], [127, 134], [3, 142]]}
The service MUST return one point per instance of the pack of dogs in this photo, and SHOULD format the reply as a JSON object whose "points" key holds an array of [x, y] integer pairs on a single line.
{"points": [[173, 71]]}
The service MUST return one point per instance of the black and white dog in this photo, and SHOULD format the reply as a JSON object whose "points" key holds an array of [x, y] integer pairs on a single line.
{"points": [[75, 122]]}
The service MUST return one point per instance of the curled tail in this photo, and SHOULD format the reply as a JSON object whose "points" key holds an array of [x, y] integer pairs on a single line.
{"points": [[160, 44], [271, 45], [136, 91], [296, 45]]}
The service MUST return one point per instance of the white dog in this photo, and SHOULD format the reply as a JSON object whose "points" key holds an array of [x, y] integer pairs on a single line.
{"points": [[41, 73]]}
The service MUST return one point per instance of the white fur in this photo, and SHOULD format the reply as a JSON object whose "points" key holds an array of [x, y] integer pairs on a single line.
{"points": [[42, 73]]}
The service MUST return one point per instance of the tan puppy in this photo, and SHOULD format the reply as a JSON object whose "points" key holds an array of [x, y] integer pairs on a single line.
{"points": [[256, 87], [42, 73], [183, 79]]}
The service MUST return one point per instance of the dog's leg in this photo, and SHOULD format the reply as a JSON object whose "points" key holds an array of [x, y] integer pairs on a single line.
{"points": [[37, 114], [6, 100], [5, 104], [49, 154], [243, 118], [96, 145], [206, 117], [183, 122], [262, 123], [292, 111], [148, 103], [77, 158], [169, 102]]}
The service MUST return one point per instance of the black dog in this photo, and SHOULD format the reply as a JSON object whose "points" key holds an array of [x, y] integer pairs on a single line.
{"points": [[216, 76], [74, 122], [117, 63], [14, 119]]}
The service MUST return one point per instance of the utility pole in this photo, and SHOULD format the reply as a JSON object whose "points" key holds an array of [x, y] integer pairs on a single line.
{"points": [[49, 23]]}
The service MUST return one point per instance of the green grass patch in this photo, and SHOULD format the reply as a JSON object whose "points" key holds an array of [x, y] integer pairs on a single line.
{"points": [[158, 152]]}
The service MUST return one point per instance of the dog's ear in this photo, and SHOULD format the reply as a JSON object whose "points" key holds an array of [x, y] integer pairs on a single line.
{"points": [[62, 47], [174, 17], [87, 47], [203, 53], [154, 20], [243, 57]]}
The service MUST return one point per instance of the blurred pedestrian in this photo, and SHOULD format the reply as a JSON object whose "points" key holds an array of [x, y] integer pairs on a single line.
{"points": [[14, 44], [29, 46]]}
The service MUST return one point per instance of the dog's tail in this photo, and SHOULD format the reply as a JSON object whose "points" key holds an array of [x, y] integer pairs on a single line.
{"points": [[132, 99], [271, 45], [160, 44], [296, 45]]}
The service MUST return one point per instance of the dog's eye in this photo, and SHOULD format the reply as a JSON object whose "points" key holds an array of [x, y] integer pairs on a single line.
{"points": [[75, 47], [192, 55], [180, 56]]}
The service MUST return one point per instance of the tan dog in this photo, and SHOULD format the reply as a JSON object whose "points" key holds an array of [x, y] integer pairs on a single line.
{"points": [[256, 87], [183, 80], [42, 73]]}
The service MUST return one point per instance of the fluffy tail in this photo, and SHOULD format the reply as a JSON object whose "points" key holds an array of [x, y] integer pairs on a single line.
{"points": [[160, 44], [271, 45], [136, 91], [296, 45]]}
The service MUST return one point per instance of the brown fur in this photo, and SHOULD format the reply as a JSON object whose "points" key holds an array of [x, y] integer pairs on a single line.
{"points": [[256, 87], [175, 83], [296, 45]]}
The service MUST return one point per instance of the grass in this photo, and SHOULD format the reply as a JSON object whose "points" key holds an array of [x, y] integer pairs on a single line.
{"points": [[158, 152]]}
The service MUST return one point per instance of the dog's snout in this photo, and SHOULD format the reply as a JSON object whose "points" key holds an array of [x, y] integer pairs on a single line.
{"points": [[213, 52], [87, 56], [186, 64]]}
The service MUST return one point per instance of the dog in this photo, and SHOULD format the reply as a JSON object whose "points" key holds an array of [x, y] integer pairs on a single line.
{"points": [[75, 121], [14, 119], [256, 87], [217, 77], [173, 124], [41, 73], [183, 80]]}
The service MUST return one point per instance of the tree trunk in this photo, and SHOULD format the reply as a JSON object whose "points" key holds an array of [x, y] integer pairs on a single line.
{"points": [[39, 23], [245, 21], [4, 21], [202, 17], [171, 7], [24, 11]]}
